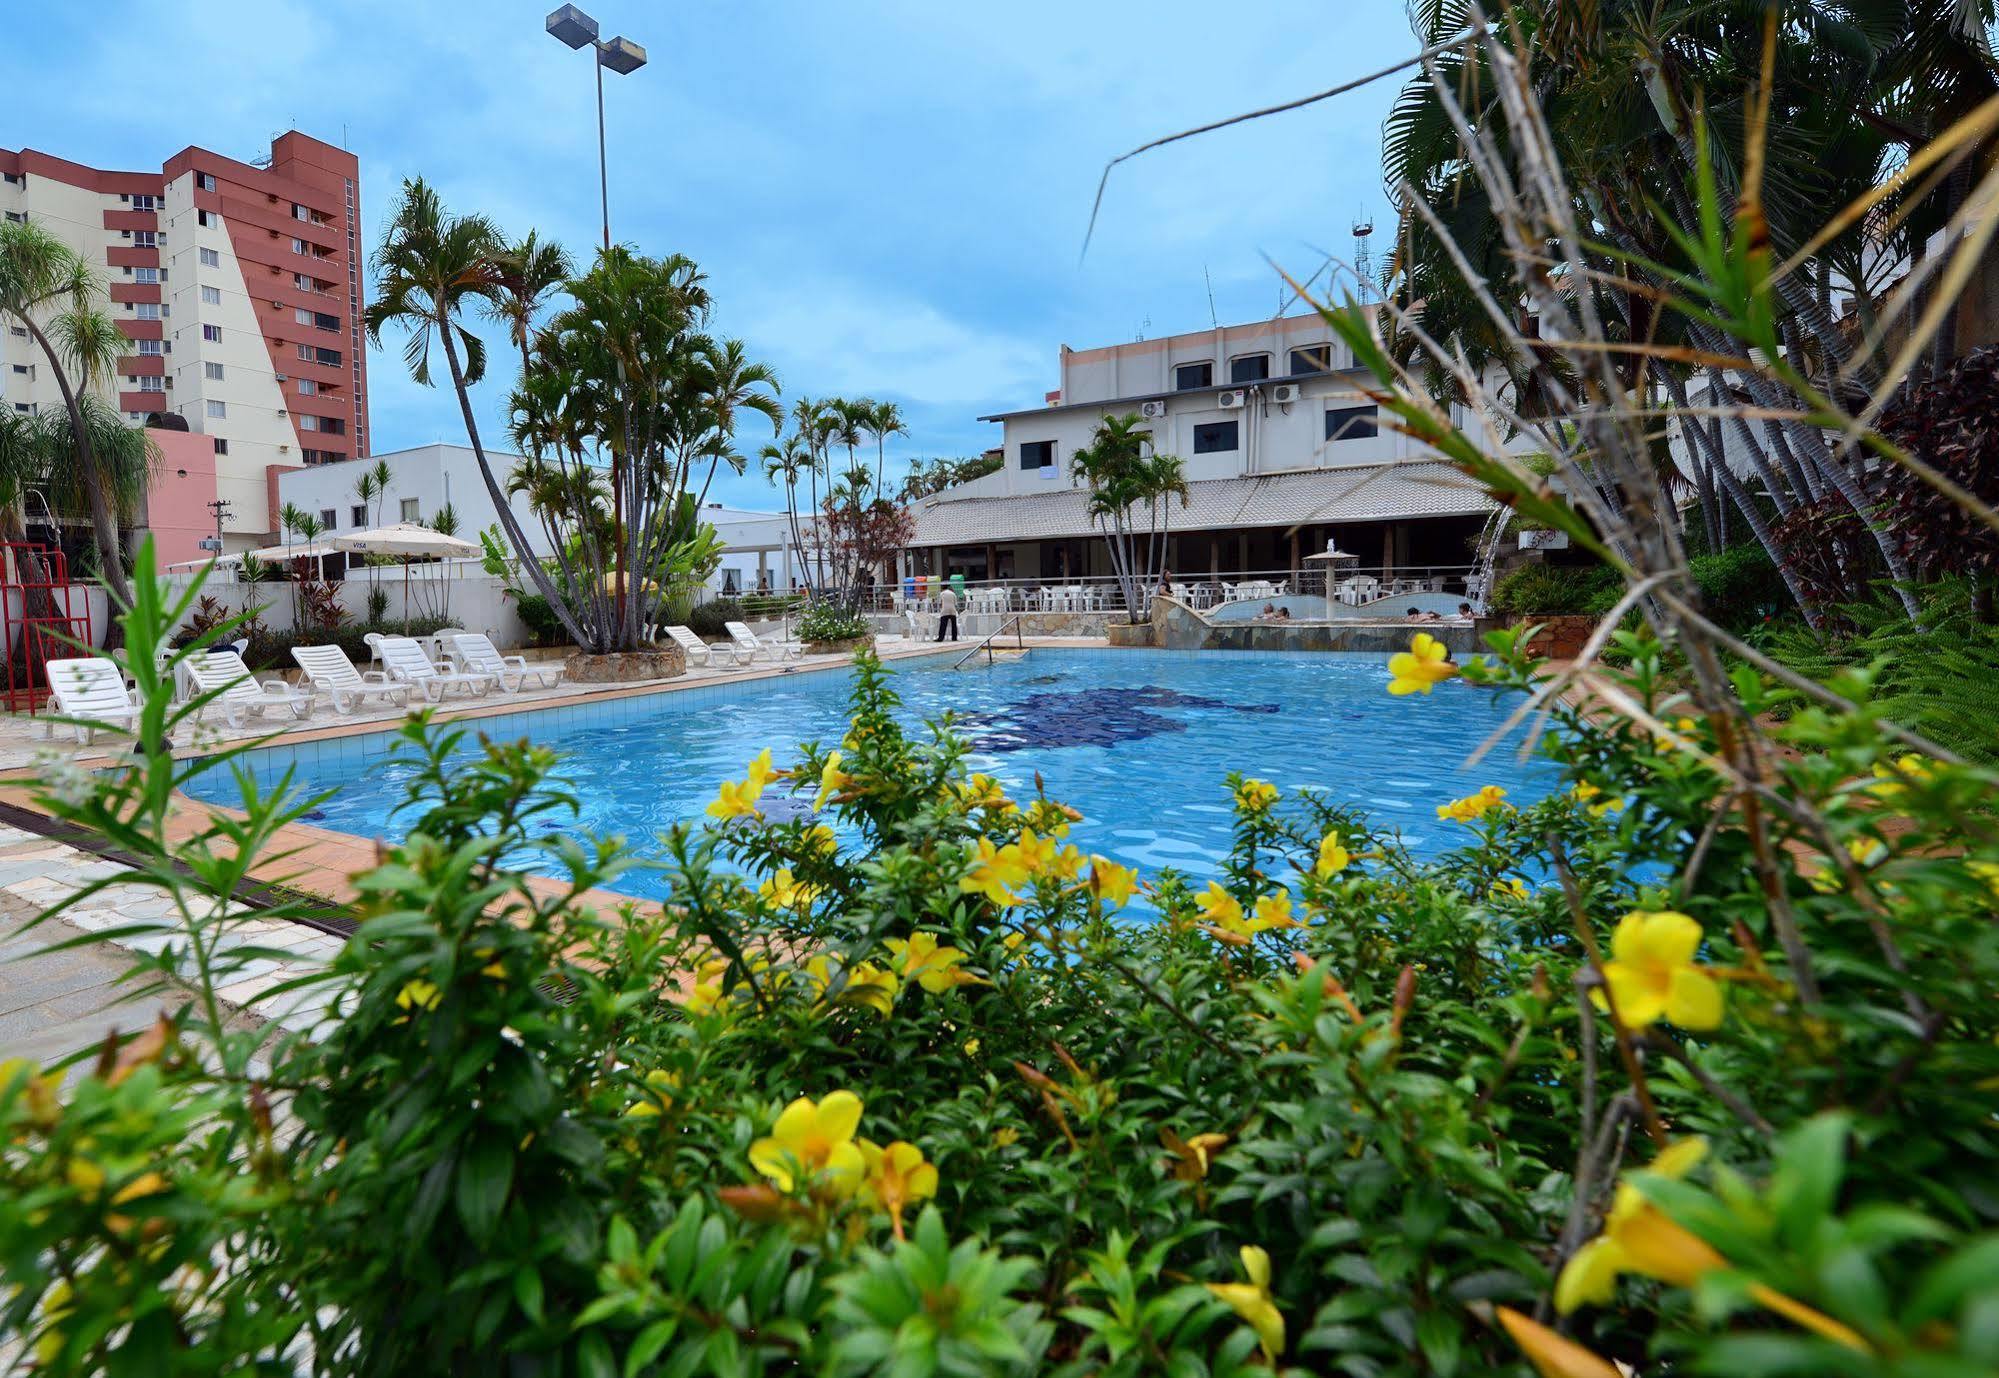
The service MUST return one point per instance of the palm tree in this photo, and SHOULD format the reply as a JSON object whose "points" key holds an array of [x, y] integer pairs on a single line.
{"points": [[526, 274], [812, 421], [884, 420], [730, 384], [1122, 477], [787, 459], [432, 265], [39, 273]]}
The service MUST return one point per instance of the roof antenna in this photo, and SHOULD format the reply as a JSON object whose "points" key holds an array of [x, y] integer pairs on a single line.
{"points": [[1212, 318], [1363, 259]]}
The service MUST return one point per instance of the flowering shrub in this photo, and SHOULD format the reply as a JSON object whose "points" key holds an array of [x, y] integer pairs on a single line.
{"points": [[926, 1094]]}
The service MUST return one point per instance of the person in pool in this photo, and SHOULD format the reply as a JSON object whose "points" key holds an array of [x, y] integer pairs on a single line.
{"points": [[1418, 615]]}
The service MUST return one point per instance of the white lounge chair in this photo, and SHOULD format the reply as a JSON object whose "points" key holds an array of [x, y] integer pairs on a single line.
{"points": [[687, 641], [92, 691], [407, 663], [330, 672], [748, 641], [475, 651], [223, 673]]}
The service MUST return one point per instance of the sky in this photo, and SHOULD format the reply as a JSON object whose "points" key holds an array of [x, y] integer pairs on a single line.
{"points": [[889, 197]]}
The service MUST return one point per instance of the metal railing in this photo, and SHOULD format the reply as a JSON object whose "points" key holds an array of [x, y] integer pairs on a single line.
{"points": [[1103, 593], [987, 644]]}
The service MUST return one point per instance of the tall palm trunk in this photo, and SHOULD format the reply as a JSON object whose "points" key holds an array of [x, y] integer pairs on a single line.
{"points": [[103, 527], [501, 507]]}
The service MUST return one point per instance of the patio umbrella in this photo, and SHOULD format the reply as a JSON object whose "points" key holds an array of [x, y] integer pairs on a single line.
{"points": [[1332, 555], [409, 541]]}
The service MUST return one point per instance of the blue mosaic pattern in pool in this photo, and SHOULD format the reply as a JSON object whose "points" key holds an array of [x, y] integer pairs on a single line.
{"points": [[1138, 740]]}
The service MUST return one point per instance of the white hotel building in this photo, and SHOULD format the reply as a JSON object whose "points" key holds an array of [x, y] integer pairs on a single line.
{"points": [[1284, 456]]}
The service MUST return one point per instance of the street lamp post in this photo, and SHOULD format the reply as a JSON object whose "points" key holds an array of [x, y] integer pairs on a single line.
{"points": [[622, 56]]}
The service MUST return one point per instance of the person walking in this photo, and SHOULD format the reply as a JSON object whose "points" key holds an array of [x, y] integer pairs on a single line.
{"points": [[947, 612]]}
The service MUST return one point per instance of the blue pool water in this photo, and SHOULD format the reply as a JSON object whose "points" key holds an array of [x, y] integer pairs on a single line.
{"points": [[1139, 741]]}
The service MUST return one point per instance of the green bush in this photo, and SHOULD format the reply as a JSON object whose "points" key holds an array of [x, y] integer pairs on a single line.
{"points": [[924, 1096], [1545, 590], [1740, 588], [270, 648], [707, 618], [544, 628], [824, 620]]}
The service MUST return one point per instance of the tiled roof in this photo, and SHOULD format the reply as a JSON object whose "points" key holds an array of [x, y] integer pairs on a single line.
{"points": [[1309, 496]]}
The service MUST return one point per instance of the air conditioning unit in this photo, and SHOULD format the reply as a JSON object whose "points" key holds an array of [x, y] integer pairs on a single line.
{"points": [[1285, 393], [1231, 400], [1152, 411]]}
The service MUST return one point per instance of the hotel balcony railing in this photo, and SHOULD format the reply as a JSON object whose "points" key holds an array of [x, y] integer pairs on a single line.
{"points": [[1351, 586]]}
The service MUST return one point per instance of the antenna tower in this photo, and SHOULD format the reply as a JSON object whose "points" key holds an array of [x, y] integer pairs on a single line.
{"points": [[1363, 256]]}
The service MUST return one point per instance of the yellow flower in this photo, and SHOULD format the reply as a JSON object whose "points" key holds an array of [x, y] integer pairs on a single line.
{"points": [[1006, 1137], [1067, 865], [1474, 806], [1111, 883], [1421, 668], [1985, 870], [1892, 783], [1272, 911], [1252, 1301], [895, 1177], [1638, 1237], [994, 873], [784, 891], [819, 841], [419, 995], [813, 1140], [984, 792], [1865, 852], [1254, 796], [1333, 856], [1584, 791], [1052, 818], [1553, 1355], [1511, 888], [1035, 854], [735, 800], [707, 992], [1219, 906], [1190, 1157], [39, 1092], [832, 780], [1653, 976], [655, 1095], [918, 958], [868, 986]]}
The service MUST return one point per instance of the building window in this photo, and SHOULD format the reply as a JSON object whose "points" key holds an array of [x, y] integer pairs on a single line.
{"points": [[21, 331], [1213, 437], [308, 387], [13, 179], [303, 281], [212, 371], [25, 370], [301, 316], [210, 259], [221, 446], [205, 181], [1037, 454], [412, 510], [151, 347], [1249, 368], [217, 409], [359, 513], [146, 239], [1316, 358], [300, 212], [145, 203], [329, 357], [1187, 377], [147, 310], [202, 218], [17, 217], [1350, 423], [328, 518], [211, 296], [146, 275], [324, 321], [298, 246], [212, 334], [152, 385], [308, 423]]}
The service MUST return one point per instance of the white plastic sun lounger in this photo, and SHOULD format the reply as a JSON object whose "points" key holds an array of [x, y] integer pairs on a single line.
{"points": [[748, 641], [408, 664], [91, 690], [687, 641], [223, 673], [330, 672], [475, 651]]}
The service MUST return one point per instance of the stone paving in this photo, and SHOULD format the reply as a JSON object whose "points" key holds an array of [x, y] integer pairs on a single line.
{"points": [[57, 1000]]}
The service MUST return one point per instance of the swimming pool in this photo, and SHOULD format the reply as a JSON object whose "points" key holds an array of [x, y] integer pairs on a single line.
{"points": [[1139, 741]]}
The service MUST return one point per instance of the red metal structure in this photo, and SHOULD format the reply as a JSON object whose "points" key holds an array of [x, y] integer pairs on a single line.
{"points": [[43, 617]]}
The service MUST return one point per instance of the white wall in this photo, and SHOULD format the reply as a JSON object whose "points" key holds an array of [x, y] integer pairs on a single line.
{"points": [[429, 474], [477, 603]]}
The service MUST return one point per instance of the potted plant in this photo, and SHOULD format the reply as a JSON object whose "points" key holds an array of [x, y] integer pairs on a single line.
{"points": [[1555, 598], [827, 628]]}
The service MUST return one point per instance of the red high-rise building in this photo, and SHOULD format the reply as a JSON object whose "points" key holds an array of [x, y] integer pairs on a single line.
{"points": [[240, 286]]}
